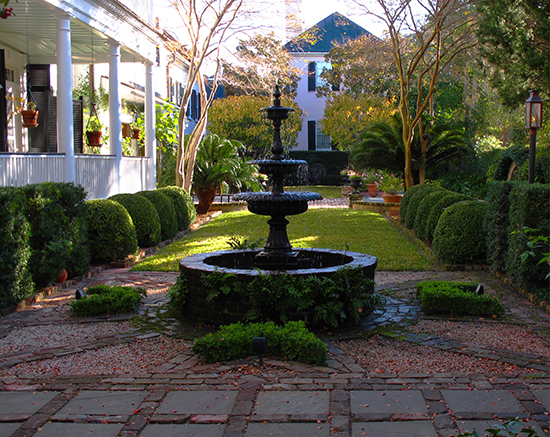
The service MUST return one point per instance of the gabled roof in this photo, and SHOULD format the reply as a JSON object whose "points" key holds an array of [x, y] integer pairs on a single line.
{"points": [[335, 29]]}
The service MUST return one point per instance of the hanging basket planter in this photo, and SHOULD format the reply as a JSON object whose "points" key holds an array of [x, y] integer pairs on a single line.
{"points": [[94, 138], [30, 118], [135, 133]]}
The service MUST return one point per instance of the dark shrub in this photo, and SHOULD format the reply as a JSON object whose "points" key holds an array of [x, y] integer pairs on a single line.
{"points": [[292, 341], [497, 223], [167, 215], [104, 299], [514, 154], [183, 205], [447, 200], [112, 233], [144, 217], [405, 201], [459, 237], [529, 206], [15, 278], [423, 212], [56, 213], [414, 202]]}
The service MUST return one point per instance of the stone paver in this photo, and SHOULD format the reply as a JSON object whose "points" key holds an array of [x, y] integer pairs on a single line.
{"points": [[387, 402], [422, 428], [479, 403], [92, 402], [198, 402], [287, 430], [23, 403], [79, 429], [188, 429], [289, 402]]}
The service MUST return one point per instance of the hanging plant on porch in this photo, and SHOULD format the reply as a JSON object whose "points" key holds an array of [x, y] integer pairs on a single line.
{"points": [[93, 131], [30, 115]]}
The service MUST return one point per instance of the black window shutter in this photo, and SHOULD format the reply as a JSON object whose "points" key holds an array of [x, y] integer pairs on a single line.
{"points": [[39, 79], [3, 105], [311, 76], [311, 134], [194, 105], [78, 121]]}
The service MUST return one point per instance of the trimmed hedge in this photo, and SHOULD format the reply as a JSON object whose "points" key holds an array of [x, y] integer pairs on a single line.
{"points": [[423, 211], [405, 201], [166, 212], [497, 223], [414, 202], [111, 231], [516, 153], [183, 206], [459, 237], [456, 298], [529, 206], [57, 215], [292, 341], [104, 299], [144, 217], [449, 199], [15, 278]]}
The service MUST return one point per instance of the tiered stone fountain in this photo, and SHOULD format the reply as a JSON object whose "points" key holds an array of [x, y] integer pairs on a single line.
{"points": [[277, 256]]}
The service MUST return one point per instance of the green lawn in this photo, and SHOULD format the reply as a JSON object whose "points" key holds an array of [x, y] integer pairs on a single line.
{"points": [[340, 229]]}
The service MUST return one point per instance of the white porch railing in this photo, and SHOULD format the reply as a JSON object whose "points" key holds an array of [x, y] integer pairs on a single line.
{"points": [[19, 169], [96, 173]]}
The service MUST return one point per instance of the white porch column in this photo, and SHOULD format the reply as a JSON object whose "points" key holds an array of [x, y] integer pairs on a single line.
{"points": [[65, 129], [150, 120], [115, 124]]}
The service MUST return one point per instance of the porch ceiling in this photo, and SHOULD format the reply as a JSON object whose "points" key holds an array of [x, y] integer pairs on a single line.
{"points": [[41, 35]]}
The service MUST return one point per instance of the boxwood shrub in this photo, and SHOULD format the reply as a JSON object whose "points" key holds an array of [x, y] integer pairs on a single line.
{"points": [[529, 206], [456, 298], [497, 223], [104, 299], [144, 217], [15, 278], [459, 237], [424, 209], [414, 202], [56, 213], [183, 206], [166, 212], [111, 231], [291, 341], [405, 201], [449, 199]]}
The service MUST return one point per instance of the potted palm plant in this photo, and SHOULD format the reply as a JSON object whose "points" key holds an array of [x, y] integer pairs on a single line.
{"points": [[93, 131], [218, 161]]}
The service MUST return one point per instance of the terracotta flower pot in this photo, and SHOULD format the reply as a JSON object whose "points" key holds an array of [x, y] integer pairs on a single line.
{"points": [[206, 197], [392, 198], [135, 134], [62, 277], [373, 190], [94, 138], [30, 118]]}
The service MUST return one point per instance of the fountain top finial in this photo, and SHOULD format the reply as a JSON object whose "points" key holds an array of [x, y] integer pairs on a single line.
{"points": [[277, 95]]}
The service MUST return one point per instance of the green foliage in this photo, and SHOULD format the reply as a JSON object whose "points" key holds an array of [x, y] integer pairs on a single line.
{"points": [[423, 212], [56, 213], [144, 217], [417, 197], [15, 278], [497, 222], [529, 206], [291, 341], [98, 96], [183, 206], [240, 243], [335, 301], [447, 200], [166, 212], [456, 298], [459, 237], [510, 428], [517, 154], [103, 299], [334, 161], [112, 235], [405, 200]]}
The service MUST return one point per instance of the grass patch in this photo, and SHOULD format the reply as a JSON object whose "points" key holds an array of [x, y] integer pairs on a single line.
{"points": [[339, 229], [328, 192]]}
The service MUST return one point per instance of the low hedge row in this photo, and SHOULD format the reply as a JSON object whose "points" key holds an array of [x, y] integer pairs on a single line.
{"points": [[104, 299], [291, 341], [456, 298]]}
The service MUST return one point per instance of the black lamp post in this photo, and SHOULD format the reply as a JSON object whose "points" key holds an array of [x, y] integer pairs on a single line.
{"points": [[533, 121]]}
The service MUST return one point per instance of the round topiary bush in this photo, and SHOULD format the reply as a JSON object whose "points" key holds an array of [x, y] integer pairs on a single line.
{"points": [[412, 206], [166, 212], [144, 216], [183, 205], [424, 209], [447, 200], [405, 201], [111, 231], [459, 237]]}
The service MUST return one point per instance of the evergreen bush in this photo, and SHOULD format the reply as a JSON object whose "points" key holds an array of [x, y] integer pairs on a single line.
{"points": [[449, 199], [111, 231], [15, 278], [104, 299], [414, 202], [405, 201], [56, 213], [144, 217], [183, 206], [497, 223], [423, 212], [459, 237], [516, 153], [166, 212], [291, 341]]}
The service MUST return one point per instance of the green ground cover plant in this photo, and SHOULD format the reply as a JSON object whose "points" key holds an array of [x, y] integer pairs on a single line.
{"points": [[104, 299], [456, 298], [338, 229], [328, 192], [291, 341]]}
